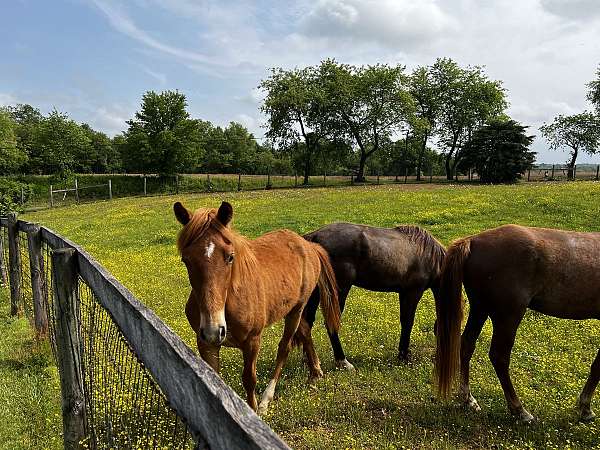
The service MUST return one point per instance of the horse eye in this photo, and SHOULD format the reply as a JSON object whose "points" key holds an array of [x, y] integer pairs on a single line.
{"points": [[230, 258]]}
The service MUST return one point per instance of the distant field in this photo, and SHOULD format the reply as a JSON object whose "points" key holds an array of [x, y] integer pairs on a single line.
{"points": [[384, 404]]}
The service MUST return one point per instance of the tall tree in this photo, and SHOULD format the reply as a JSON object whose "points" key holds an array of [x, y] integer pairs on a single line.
{"points": [[293, 109], [578, 132], [56, 142], [593, 94], [498, 151], [468, 100], [369, 104], [12, 158], [425, 89], [162, 138]]}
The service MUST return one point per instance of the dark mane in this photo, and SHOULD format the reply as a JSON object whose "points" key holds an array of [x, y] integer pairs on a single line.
{"points": [[429, 247]]}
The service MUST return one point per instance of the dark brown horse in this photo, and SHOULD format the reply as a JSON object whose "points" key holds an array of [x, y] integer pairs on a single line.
{"points": [[405, 259], [241, 286], [505, 271]]}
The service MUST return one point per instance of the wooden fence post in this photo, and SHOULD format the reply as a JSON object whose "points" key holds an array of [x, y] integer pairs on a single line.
{"points": [[295, 179], [68, 346], [405, 174], [38, 280], [552, 177], [240, 181], [529, 174], [3, 273], [597, 172], [145, 187], [14, 264], [110, 189], [431, 173], [51, 198], [76, 191], [177, 183], [324, 178]]}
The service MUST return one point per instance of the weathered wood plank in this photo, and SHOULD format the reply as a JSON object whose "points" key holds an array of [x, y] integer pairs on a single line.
{"points": [[68, 346], [3, 269], [14, 264], [38, 280], [212, 410]]}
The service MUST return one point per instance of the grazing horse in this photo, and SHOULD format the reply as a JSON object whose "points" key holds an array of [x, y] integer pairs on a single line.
{"points": [[505, 271], [241, 286], [405, 259]]}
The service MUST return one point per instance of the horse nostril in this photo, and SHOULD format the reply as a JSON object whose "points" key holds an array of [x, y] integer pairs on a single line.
{"points": [[222, 332], [202, 336]]}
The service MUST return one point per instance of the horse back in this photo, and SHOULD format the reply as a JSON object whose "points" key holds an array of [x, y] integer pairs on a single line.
{"points": [[553, 271]]}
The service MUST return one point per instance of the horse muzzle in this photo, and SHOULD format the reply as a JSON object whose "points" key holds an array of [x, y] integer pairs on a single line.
{"points": [[214, 335]]}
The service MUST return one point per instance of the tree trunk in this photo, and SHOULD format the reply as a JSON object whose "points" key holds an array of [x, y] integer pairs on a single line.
{"points": [[306, 169], [360, 176], [420, 158], [449, 172], [571, 171]]}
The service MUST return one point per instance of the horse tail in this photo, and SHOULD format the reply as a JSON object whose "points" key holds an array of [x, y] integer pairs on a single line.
{"points": [[328, 291], [449, 311]]}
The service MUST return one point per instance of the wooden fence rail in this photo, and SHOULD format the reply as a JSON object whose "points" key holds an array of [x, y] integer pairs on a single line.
{"points": [[213, 413]]}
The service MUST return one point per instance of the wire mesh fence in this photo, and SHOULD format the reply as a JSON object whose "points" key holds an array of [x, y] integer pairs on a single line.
{"points": [[125, 407]]}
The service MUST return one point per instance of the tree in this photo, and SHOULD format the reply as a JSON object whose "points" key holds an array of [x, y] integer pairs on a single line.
{"points": [[425, 89], [368, 104], [27, 119], [100, 157], [293, 105], [499, 151], [162, 138], [593, 94], [12, 158], [579, 132], [56, 141], [468, 99]]}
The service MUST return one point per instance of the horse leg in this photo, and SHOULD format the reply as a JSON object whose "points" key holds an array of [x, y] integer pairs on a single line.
{"points": [[408, 307], [585, 412], [475, 322], [292, 320], [210, 354], [503, 339], [312, 359], [338, 352], [250, 351]]}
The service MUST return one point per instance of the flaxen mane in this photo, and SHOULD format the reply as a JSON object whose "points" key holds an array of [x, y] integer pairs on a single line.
{"points": [[429, 247], [244, 264]]}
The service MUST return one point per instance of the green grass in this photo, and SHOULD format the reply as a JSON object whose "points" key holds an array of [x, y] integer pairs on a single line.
{"points": [[29, 387], [384, 404]]}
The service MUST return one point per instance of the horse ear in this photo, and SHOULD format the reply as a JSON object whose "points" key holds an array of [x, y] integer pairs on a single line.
{"points": [[182, 214], [225, 213]]}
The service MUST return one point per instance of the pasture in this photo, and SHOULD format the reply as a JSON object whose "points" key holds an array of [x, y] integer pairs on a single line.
{"points": [[384, 404]]}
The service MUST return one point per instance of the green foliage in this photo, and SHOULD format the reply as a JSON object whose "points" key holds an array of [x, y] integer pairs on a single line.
{"points": [[384, 404], [593, 94], [12, 158], [162, 138], [499, 152], [12, 193]]}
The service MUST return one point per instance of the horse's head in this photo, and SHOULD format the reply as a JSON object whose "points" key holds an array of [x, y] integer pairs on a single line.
{"points": [[206, 248]]}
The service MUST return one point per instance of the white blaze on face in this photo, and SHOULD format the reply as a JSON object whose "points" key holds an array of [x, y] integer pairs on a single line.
{"points": [[210, 248]]}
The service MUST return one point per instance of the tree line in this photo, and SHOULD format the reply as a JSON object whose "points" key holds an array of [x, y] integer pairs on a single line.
{"points": [[329, 118]]}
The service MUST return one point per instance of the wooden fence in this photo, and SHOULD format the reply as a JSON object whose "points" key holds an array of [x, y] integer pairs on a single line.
{"points": [[127, 380]]}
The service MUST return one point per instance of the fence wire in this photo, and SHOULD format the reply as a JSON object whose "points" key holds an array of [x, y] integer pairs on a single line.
{"points": [[125, 407]]}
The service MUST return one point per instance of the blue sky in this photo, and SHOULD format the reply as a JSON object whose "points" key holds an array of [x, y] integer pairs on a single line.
{"points": [[94, 59]]}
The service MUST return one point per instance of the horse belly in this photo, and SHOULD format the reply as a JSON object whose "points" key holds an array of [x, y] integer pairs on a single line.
{"points": [[570, 287]]}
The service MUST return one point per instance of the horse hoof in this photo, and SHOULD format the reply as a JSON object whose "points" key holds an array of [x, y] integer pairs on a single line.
{"points": [[471, 403], [345, 365], [404, 357], [525, 417], [587, 416], [262, 408]]}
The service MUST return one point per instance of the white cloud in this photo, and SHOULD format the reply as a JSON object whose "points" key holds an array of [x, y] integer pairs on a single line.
{"points": [[160, 77]]}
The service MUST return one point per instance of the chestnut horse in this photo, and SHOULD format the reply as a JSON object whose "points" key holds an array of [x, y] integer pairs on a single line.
{"points": [[505, 271], [241, 286]]}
